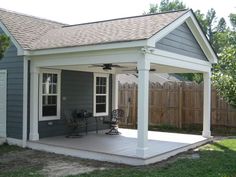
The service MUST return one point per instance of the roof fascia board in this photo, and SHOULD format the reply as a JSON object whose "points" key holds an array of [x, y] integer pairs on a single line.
{"points": [[118, 45], [158, 36], [20, 50], [201, 38]]}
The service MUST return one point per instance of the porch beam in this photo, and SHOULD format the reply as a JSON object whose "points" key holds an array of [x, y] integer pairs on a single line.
{"points": [[34, 79], [113, 56], [207, 105], [114, 91], [143, 105], [165, 58]]}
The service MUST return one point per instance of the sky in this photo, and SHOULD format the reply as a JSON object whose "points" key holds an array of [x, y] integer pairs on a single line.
{"points": [[82, 11]]}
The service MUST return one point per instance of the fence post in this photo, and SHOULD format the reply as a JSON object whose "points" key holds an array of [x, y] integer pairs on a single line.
{"points": [[180, 106]]}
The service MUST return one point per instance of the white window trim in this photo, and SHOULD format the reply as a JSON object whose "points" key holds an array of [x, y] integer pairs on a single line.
{"points": [[47, 118], [94, 94]]}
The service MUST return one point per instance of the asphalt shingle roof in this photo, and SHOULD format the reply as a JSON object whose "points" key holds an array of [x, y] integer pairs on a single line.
{"points": [[34, 33]]}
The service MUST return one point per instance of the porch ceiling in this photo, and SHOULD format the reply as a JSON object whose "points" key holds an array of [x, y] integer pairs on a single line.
{"points": [[127, 68]]}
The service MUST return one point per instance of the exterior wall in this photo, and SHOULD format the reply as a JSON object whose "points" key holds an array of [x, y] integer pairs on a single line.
{"points": [[182, 41], [76, 93], [14, 66]]}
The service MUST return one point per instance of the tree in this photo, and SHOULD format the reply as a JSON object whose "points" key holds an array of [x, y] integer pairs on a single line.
{"points": [[232, 18], [224, 75], [166, 5], [4, 44]]}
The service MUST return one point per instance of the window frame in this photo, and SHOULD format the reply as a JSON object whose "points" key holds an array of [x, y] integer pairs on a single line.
{"points": [[56, 117], [95, 114]]}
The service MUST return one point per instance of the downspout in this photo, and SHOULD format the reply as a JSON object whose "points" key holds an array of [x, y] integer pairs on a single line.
{"points": [[25, 101]]}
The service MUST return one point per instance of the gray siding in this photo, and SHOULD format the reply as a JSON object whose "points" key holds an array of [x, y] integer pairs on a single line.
{"points": [[14, 66], [76, 93], [182, 41]]}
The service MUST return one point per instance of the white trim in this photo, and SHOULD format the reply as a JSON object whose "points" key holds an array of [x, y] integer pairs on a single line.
{"points": [[20, 50], [52, 71], [94, 94], [118, 45], [115, 91], [162, 57], [25, 102], [143, 107], [87, 58], [14, 141], [34, 95], [3, 115], [207, 105]]}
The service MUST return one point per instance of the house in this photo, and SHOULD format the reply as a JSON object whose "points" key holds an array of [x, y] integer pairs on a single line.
{"points": [[53, 67]]}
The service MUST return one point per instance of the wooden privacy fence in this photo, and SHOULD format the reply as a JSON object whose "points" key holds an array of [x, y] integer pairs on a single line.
{"points": [[177, 105]]}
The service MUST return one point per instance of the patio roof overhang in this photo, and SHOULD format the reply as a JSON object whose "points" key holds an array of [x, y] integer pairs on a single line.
{"points": [[142, 59], [143, 56]]}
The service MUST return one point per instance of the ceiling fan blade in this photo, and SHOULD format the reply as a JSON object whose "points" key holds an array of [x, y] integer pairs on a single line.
{"points": [[152, 70], [118, 66], [93, 66]]}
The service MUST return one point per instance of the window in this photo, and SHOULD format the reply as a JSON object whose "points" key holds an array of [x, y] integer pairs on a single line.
{"points": [[49, 101], [101, 90]]}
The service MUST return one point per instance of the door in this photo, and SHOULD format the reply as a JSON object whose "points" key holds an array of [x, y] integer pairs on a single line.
{"points": [[3, 102]]}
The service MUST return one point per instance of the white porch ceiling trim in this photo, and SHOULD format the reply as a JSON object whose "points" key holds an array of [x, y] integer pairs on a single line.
{"points": [[88, 58], [161, 57]]}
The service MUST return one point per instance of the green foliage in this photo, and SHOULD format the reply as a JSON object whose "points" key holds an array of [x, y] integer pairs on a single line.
{"points": [[232, 18], [166, 5], [224, 75], [197, 77], [4, 44]]}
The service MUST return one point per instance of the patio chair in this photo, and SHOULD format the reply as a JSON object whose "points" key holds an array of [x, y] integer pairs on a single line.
{"points": [[116, 115], [74, 123]]}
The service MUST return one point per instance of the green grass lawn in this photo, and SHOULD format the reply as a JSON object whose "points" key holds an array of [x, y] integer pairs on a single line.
{"points": [[215, 160]]}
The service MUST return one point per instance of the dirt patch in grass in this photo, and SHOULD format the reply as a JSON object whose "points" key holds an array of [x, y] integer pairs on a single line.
{"points": [[37, 163], [48, 164]]}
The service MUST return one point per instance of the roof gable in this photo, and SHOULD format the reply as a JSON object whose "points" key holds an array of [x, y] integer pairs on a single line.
{"points": [[192, 23], [182, 41]]}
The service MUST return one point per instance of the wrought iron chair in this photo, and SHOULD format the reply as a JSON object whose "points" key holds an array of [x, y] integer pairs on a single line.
{"points": [[116, 115], [74, 123]]}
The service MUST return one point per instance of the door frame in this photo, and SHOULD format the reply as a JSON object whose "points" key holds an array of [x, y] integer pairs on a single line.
{"points": [[3, 132]]}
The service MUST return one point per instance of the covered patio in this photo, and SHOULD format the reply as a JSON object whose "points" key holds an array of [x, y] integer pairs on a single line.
{"points": [[105, 61], [121, 149]]}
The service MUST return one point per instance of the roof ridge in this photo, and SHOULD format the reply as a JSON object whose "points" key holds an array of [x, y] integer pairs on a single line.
{"points": [[122, 18], [31, 16]]}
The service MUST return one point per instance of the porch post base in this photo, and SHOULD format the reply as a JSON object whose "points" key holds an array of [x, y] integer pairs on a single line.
{"points": [[206, 134], [141, 152], [34, 136]]}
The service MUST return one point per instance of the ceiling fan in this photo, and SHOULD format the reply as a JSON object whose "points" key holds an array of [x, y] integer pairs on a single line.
{"points": [[107, 66], [136, 70]]}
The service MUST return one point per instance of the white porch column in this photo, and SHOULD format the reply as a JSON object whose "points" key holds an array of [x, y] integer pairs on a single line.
{"points": [[34, 79], [143, 105], [114, 91], [207, 105]]}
